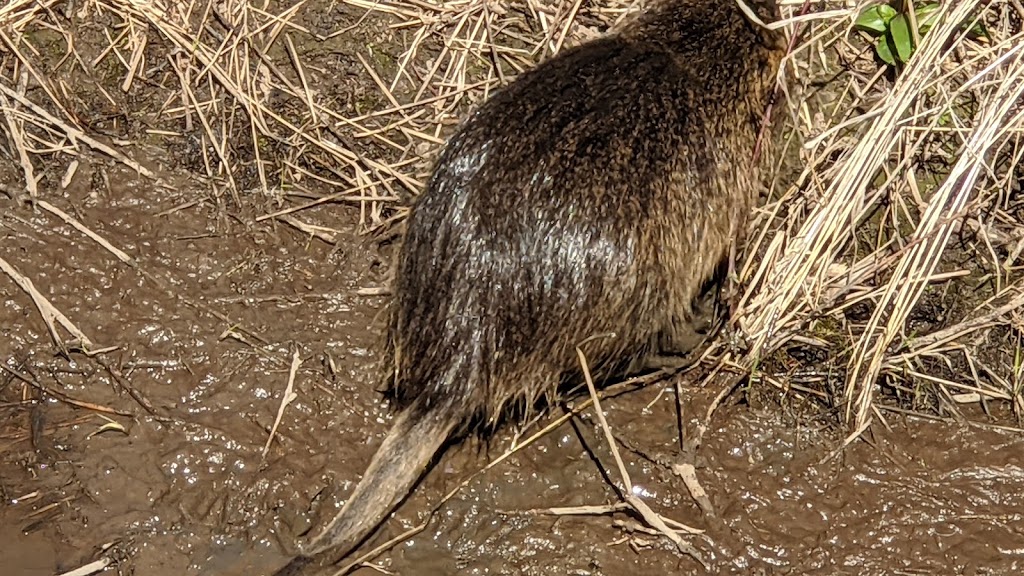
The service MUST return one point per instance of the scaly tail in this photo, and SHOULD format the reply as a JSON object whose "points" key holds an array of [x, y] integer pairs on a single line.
{"points": [[415, 438]]}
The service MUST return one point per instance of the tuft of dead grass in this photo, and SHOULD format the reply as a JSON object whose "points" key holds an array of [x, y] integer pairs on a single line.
{"points": [[907, 190]]}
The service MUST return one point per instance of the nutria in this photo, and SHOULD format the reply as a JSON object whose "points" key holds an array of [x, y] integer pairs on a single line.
{"points": [[589, 200]]}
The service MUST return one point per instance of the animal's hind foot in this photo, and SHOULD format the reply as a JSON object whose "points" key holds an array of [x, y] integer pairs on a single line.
{"points": [[667, 362]]}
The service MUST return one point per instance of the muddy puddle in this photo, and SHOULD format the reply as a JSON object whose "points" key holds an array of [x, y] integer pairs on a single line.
{"points": [[151, 453]]}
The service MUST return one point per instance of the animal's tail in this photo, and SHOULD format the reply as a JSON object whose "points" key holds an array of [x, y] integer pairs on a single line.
{"points": [[415, 438]]}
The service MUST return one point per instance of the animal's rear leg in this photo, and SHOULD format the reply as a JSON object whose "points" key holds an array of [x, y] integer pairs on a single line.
{"points": [[666, 362], [676, 348], [708, 312], [679, 345]]}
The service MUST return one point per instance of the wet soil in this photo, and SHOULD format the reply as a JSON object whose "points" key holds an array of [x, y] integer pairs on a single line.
{"points": [[204, 330]]}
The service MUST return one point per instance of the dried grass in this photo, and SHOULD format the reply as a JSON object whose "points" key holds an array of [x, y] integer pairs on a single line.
{"points": [[891, 171], [906, 185]]}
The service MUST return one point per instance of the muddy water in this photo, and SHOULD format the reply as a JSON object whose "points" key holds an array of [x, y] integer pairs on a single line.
{"points": [[204, 339]]}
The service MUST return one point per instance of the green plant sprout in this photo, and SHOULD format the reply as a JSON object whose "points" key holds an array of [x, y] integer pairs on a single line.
{"points": [[892, 29]]}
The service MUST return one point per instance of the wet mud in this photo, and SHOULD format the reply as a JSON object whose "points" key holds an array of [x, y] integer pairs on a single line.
{"points": [[205, 327]]}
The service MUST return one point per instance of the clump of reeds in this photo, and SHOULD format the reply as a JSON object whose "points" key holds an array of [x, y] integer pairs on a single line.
{"points": [[894, 252]]}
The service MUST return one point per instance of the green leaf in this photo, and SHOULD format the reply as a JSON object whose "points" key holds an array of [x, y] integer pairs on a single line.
{"points": [[875, 19], [883, 48], [927, 16], [899, 31], [979, 30]]}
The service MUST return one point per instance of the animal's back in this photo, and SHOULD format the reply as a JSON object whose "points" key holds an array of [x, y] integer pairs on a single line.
{"points": [[590, 198], [588, 201]]}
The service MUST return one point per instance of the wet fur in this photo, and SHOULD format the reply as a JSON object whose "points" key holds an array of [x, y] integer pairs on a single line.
{"points": [[591, 199]]}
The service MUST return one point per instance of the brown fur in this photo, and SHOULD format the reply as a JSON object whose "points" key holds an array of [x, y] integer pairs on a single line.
{"points": [[590, 199]]}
